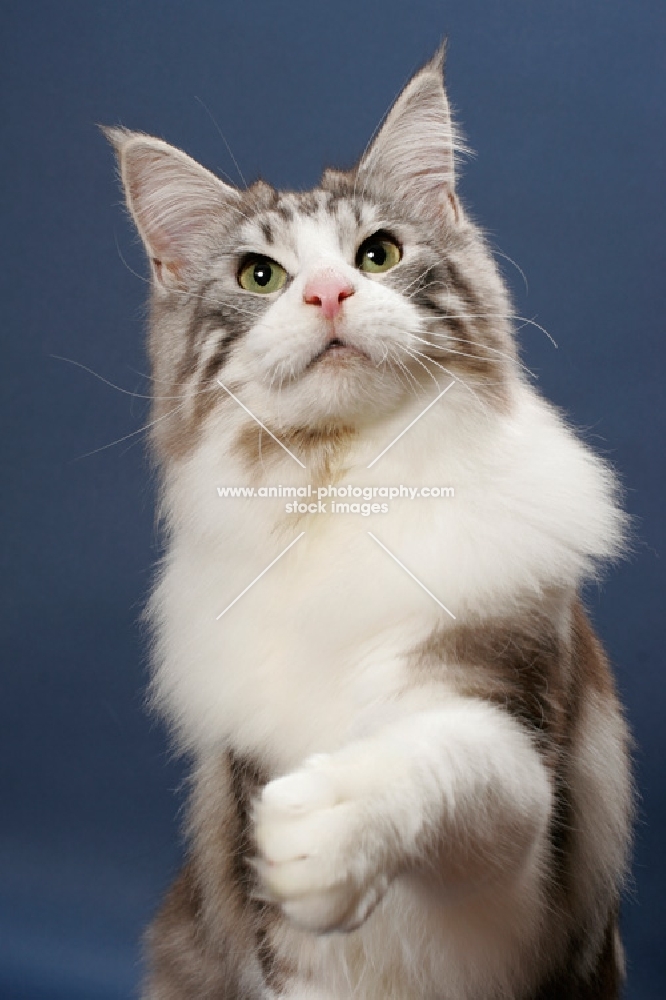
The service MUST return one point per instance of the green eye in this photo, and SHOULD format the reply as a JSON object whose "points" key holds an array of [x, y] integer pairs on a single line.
{"points": [[261, 275], [378, 253]]}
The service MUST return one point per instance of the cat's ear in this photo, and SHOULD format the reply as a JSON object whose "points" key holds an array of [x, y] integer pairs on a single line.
{"points": [[413, 153], [174, 202]]}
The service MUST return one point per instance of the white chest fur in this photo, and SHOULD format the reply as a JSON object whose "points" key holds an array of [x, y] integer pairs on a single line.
{"points": [[306, 656]]}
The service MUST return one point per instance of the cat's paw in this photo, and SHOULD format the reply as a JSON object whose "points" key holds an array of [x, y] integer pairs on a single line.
{"points": [[318, 855]]}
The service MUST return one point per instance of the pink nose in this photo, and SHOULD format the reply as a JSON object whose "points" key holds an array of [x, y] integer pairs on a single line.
{"points": [[327, 289]]}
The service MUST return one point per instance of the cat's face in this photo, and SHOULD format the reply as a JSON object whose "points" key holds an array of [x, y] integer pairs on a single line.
{"points": [[328, 342], [321, 309]]}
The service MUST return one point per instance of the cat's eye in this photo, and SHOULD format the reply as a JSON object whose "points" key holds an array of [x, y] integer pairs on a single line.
{"points": [[261, 275], [378, 253]]}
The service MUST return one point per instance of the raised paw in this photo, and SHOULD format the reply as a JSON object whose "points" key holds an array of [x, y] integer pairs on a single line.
{"points": [[318, 857]]}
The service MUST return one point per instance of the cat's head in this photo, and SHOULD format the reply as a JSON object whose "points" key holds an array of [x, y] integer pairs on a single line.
{"points": [[323, 309]]}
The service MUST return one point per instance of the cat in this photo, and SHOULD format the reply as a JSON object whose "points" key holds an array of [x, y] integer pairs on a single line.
{"points": [[410, 769]]}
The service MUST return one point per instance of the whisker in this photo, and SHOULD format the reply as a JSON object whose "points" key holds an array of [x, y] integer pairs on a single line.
{"points": [[475, 343], [414, 355], [531, 322], [419, 277], [404, 375], [127, 392], [383, 357], [486, 381], [413, 383], [118, 388], [131, 270], [457, 378], [222, 137], [220, 304], [514, 316], [132, 434], [500, 253], [431, 283]]}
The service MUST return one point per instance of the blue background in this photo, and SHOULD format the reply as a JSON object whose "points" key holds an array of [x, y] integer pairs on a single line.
{"points": [[563, 102]]}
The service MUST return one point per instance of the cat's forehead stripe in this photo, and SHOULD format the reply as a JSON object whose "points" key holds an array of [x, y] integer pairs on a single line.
{"points": [[267, 230], [286, 219]]}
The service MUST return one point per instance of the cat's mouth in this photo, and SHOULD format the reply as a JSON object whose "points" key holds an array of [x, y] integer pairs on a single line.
{"points": [[337, 350]]}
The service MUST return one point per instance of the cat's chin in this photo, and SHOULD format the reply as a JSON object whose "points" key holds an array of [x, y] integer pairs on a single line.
{"points": [[341, 388]]}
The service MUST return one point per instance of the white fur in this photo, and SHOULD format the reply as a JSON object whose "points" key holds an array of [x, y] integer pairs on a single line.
{"points": [[330, 833], [320, 639]]}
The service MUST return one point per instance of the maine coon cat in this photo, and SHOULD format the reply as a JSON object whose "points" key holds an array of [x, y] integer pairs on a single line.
{"points": [[409, 767]]}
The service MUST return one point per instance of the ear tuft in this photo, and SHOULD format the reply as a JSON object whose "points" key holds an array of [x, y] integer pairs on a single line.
{"points": [[116, 135], [438, 62]]}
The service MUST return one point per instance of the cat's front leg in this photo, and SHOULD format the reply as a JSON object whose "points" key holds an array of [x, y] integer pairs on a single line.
{"points": [[459, 789]]}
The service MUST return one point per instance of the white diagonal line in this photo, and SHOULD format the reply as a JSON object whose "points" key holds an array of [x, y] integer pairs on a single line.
{"points": [[258, 577], [422, 413], [415, 579], [258, 421]]}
